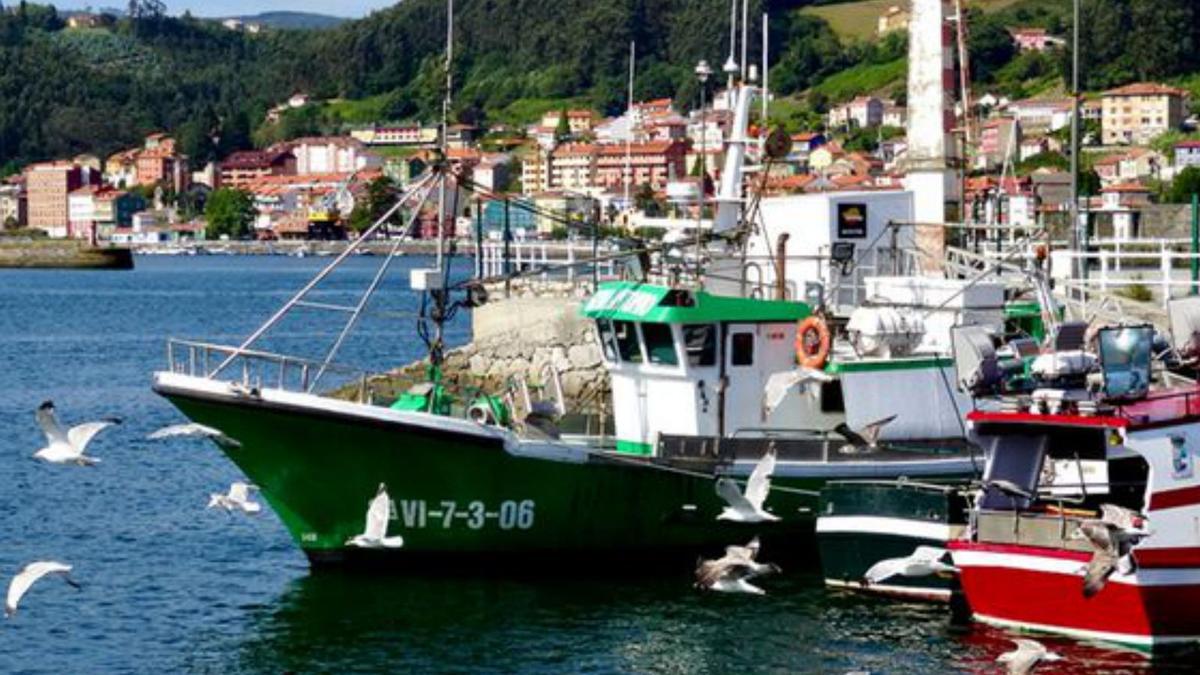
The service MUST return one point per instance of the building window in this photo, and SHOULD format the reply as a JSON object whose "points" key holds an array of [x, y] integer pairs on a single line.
{"points": [[627, 341], [700, 344], [742, 349], [660, 344]]}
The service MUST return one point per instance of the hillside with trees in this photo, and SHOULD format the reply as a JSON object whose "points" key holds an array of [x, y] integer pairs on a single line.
{"points": [[67, 91]]}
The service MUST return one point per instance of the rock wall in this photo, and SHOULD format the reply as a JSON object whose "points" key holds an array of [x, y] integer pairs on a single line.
{"points": [[517, 338]]}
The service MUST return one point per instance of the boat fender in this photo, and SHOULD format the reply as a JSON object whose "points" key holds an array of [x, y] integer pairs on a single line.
{"points": [[812, 343]]}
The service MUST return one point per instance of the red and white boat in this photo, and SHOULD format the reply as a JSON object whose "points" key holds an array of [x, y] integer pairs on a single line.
{"points": [[1056, 456]]}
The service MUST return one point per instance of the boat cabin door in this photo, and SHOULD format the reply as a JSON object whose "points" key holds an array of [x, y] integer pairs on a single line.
{"points": [[743, 377]]}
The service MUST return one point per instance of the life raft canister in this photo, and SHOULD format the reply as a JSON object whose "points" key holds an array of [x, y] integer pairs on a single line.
{"points": [[812, 342]]}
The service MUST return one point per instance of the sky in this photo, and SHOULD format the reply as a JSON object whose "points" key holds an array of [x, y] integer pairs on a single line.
{"points": [[350, 8]]}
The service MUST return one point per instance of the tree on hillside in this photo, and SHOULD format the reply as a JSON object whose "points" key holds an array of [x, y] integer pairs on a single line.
{"points": [[1186, 184], [381, 195], [229, 212], [990, 48], [563, 131]]}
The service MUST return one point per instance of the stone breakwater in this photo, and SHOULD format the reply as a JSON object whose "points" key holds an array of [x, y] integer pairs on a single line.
{"points": [[62, 254], [517, 338]]}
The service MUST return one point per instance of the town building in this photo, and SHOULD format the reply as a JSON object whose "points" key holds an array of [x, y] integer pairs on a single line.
{"points": [[332, 154], [120, 169], [242, 168], [535, 171], [893, 19], [12, 205], [397, 134], [862, 112], [1137, 113], [579, 122], [96, 211], [1034, 39], [999, 139], [517, 213], [653, 163], [1041, 115], [1187, 153], [493, 171], [558, 209], [48, 186], [573, 167], [894, 116]]}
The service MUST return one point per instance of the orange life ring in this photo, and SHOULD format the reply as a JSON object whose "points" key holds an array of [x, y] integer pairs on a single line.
{"points": [[812, 342]]}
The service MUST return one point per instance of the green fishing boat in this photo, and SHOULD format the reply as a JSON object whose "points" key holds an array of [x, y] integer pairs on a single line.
{"points": [[705, 382]]}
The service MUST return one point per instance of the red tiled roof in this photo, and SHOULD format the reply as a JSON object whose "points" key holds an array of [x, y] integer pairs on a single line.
{"points": [[569, 149], [1188, 144], [647, 148], [1145, 89]]}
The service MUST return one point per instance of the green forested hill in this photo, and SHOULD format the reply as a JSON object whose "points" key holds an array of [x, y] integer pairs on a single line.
{"points": [[66, 91]]}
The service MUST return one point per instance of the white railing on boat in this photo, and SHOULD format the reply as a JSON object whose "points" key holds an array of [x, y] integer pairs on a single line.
{"points": [[255, 368]]}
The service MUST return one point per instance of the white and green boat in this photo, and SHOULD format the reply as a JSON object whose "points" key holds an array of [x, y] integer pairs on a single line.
{"points": [[689, 364]]}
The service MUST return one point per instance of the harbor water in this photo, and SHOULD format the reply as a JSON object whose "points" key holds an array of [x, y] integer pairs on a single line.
{"points": [[168, 586]]}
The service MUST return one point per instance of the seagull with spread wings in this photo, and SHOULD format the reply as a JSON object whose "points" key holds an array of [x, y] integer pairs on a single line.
{"points": [[27, 577], [732, 572], [747, 507], [66, 446]]}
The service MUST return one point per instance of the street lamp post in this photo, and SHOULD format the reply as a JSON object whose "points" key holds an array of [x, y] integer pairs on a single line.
{"points": [[703, 71]]}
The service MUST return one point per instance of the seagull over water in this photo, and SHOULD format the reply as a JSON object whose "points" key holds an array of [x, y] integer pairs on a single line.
{"points": [[65, 446], [732, 572], [375, 533], [197, 431], [748, 507], [922, 562], [866, 440], [1111, 538], [1026, 657], [28, 576], [238, 499]]}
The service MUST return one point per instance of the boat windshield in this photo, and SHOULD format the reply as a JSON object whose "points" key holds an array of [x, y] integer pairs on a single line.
{"points": [[1030, 465]]}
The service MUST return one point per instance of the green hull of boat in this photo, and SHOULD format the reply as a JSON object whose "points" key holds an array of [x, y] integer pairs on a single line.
{"points": [[457, 494]]}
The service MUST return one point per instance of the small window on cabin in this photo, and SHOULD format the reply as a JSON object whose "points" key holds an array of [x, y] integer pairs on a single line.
{"points": [[660, 344], [607, 345], [742, 351], [627, 341], [700, 344]]}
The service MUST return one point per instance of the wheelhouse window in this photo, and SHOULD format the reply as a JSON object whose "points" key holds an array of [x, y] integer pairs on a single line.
{"points": [[625, 334], [608, 346], [660, 344], [700, 344], [742, 349]]}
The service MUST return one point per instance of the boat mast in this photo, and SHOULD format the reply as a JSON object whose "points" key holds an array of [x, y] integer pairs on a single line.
{"points": [[439, 294], [629, 131]]}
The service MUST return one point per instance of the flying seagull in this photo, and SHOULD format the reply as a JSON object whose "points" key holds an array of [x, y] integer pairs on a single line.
{"points": [[779, 384], [196, 430], [732, 572], [748, 507], [922, 562], [862, 441], [1111, 538], [66, 446], [1026, 656], [375, 533], [28, 576], [238, 499]]}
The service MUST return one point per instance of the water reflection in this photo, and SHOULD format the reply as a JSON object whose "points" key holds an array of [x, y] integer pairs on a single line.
{"points": [[343, 622]]}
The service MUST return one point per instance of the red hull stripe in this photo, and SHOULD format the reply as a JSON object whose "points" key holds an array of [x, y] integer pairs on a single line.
{"points": [[1030, 418], [1054, 601], [1168, 557], [1014, 549], [1173, 499]]}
